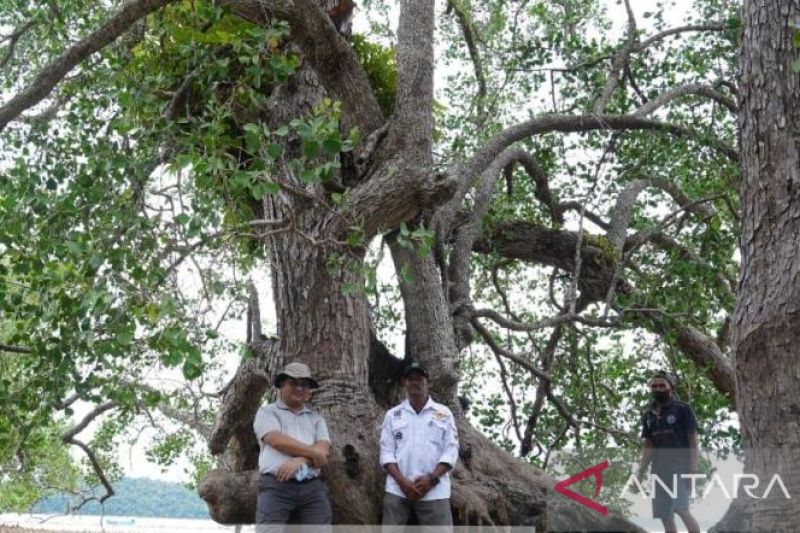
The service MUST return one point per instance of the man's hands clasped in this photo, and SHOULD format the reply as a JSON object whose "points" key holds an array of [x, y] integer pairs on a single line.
{"points": [[417, 489]]}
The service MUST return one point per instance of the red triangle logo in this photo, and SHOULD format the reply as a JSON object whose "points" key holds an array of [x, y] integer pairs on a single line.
{"points": [[597, 472]]}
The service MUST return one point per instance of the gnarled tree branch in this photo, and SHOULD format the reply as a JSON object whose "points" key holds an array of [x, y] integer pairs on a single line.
{"points": [[617, 64], [680, 29], [14, 349], [701, 349], [69, 438], [537, 244], [576, 123], [559, 405], [471, 39], [58, 68], [98, 470], [413, 117], [527, 242], [470, 230], [13, 38], [329, 54], [88, 419], [697, 89]]}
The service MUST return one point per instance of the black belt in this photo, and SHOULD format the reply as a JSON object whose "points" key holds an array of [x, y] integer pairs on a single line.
{"points": [[292, 480]]}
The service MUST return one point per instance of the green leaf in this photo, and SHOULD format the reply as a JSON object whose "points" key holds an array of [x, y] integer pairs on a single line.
{"points": [[258, 191], [217, 287], [182, 218], [152, 398], [124, 338], [310, 149], [263, 188], [253, 142], [309, 175], [171, 358], [152, 312], [192, 368], [332, 145], [271, 187], [405, 275], [173, 336], [275, 150], [355, 237], [241, 180]]}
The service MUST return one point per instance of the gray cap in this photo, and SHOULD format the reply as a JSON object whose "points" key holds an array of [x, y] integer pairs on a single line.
{"points": [[296, 371]]}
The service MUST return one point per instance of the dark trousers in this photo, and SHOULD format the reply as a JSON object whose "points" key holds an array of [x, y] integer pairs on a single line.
{"points": [[304, 503], [397, 511]]}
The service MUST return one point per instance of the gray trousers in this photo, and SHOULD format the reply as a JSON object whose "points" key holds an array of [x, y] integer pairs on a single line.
{"points": [[305, 503], [397, 511]]}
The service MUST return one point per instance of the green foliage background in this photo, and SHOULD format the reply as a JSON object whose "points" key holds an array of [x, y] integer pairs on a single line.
{"points": [[107, 209]]}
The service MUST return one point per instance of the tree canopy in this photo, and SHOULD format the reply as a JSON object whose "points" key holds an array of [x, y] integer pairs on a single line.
{"points": [[578, 199]]}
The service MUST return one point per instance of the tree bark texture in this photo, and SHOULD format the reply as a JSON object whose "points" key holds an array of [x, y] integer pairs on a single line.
{"points": [[766, 323], [323, 321]]}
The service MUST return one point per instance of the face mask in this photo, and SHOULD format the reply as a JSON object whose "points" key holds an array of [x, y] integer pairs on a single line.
{"points": [[661, 396]]}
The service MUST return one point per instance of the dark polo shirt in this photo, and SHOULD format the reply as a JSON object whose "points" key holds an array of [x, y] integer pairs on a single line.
{"points": [[668, 429]]}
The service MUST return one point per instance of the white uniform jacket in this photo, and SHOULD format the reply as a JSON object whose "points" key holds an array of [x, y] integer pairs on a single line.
{"points": [[417, 443]]}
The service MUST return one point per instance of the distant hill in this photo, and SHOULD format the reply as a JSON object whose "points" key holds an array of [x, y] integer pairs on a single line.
{"points": [[136, 497]]}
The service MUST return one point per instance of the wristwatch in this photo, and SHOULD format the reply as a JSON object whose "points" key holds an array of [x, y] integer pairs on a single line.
{"points": [[433, 479]]}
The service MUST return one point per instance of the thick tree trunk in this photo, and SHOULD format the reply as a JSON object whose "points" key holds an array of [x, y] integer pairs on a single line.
{"points": [[766, 325], [429, 329], [327, 328], [323, 321]]}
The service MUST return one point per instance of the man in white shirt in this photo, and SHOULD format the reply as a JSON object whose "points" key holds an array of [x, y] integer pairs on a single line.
{"points": [[294, 445], [419, 447]]}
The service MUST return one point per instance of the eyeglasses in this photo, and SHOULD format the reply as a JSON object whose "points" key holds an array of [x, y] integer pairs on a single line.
{"points": [[299, 384]]}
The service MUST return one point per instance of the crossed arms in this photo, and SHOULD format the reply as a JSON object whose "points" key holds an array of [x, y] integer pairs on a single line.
{"points": [[315, 455]]}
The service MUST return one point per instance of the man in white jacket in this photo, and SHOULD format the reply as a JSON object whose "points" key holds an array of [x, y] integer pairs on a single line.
{"points": [[419, 447]]}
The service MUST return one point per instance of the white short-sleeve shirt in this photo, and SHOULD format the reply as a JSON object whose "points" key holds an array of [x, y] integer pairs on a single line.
{"points": [[307, 426]]}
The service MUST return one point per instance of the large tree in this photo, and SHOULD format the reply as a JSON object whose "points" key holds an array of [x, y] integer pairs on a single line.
{"points": [[153, 140], [765, 324]]}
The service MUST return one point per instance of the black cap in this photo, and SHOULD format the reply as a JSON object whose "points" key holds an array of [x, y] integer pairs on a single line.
{"points": [[414, 367], [666, 376]]}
